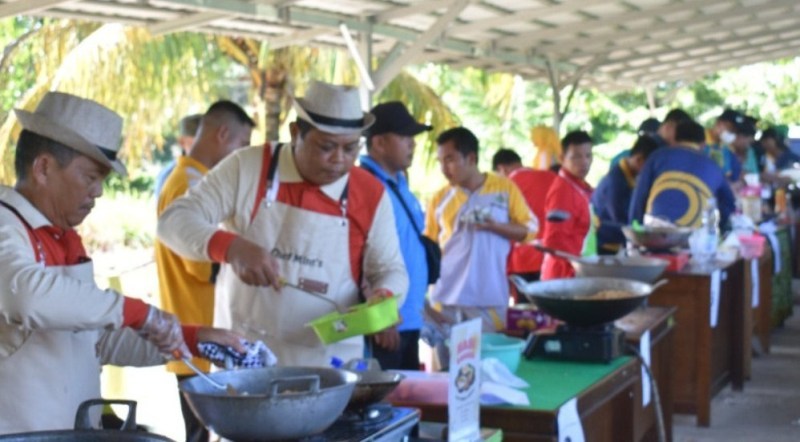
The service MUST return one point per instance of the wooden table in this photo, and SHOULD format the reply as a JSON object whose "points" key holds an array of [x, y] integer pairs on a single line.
{"points": [[705, 358], [761, 317], [782, 301], [660, 322], [610, 409], [795, 241], [606, 407]]}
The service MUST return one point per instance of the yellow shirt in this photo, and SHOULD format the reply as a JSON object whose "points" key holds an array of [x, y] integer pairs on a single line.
{"points": [[474, 262], [185, 286], [444, 208]]}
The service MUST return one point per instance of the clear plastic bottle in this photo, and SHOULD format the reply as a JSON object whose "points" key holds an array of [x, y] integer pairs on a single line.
{"points": [[711, 225]]}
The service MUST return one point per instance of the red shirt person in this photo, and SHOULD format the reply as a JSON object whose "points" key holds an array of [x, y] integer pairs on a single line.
{"points": [[524, 260], [57, 328], [568, 222]]}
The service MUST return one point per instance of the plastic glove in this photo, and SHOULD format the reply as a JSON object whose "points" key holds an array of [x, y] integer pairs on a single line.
{"points": [[163, 330], [256, 354]]}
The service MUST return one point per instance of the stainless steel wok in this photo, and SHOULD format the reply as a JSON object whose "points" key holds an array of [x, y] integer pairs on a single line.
{"points": [[273, 403], [658, 238], [639, 268], [569, 299]]}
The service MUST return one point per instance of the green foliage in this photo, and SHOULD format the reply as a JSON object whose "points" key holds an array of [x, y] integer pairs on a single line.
{"points": [[120, 220], [425, 105], [140, 186], [705, 96], [154, 81], [496, 107], [151, 81], [15, 79]]}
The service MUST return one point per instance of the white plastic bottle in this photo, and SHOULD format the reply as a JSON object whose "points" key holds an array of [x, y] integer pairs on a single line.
{"points": [[711, 226]]}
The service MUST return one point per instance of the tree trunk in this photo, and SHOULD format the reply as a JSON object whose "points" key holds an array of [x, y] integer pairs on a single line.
{"points": [[273, 92]]}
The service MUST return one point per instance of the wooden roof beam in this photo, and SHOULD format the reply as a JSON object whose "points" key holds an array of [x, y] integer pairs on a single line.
{"points": [[754, 55], [527, 14], [716, 48], [28, 7], [186, 22], [416, 9], [593, 44], [529, 38], [387, 71]]}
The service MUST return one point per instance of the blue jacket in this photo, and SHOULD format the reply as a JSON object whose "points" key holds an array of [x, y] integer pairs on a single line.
{"points": [[611, 201], [786, 160], [726, 159], [676, 182], [410, 245], [627, 152], [162, 176]]}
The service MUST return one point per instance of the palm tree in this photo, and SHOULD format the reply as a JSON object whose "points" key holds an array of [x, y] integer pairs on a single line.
{"points": [[274, 73], [154, 81]]}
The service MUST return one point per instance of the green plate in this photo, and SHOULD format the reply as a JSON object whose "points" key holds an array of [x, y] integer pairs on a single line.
{"points": [[362, 319]]}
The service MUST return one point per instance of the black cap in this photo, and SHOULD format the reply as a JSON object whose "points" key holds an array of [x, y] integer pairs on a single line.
{"points": [[649, 126], [393, 117], [748, 126], [732, 116]]}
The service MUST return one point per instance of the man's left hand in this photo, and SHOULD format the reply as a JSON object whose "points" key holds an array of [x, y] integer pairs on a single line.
{"points": [[511, 231], [388, 339], [221, 336], [376, 295]]}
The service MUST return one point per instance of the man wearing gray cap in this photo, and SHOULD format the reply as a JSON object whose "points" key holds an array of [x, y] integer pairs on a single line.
{"points": [[188, 130], [390, 150], [57, 328], [292, 213]]}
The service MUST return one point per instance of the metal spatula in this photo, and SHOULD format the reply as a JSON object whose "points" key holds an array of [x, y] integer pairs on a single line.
{"points": [[188, 361], [314, 288]]}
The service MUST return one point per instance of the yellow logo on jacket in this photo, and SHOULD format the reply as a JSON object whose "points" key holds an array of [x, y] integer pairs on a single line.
{"points": [[693, 190]]}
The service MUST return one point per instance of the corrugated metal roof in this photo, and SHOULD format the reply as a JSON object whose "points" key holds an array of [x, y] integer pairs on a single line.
{"points": [[610, 44]]}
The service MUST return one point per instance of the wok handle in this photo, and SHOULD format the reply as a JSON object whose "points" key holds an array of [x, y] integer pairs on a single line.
{"points": [[83, 422], [658, 284], [559, 253], [522, 286], [312, 379], [518, 281]]}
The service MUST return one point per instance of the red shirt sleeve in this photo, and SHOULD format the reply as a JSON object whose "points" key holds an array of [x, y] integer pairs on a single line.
{"points": [[134, 312], [219, 244], [190, 337], [560, 235]]}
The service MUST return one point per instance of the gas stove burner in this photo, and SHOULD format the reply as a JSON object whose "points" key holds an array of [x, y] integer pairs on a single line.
{"points": [[599, 328], [598, 343], [369, 416], [397, 427]]}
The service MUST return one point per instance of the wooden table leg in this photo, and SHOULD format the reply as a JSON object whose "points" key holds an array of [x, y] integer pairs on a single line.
{"points": [[741, 316]]}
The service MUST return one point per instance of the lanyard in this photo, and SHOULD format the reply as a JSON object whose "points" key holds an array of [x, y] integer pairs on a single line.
{"points": [[394, 188], [272, 173], [37, 243]]}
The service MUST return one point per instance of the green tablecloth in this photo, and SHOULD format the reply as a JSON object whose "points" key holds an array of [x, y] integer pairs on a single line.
{"points": [[552, 383], [782, 281]]}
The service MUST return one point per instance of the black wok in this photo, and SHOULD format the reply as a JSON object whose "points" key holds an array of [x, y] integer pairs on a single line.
{"points": [[372, 387], [568, 299], [84, 431]]}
